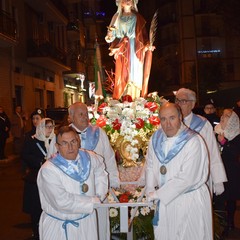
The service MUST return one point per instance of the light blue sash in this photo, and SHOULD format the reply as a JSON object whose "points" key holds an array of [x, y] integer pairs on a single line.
{"points": [[197, 123], [89, 139], [159, 138], [83, 165]]}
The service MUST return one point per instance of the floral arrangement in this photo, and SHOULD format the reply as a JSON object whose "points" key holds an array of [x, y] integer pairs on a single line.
{"points": [[141, 217], [129, 125]]}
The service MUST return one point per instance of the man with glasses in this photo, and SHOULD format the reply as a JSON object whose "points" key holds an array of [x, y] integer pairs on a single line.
{"points": [[186, 99], [95, 139], [69, 184]]}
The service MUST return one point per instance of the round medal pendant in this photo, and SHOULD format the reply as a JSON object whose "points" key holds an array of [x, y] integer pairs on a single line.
{"points": [[163, 170], [84, 187]]}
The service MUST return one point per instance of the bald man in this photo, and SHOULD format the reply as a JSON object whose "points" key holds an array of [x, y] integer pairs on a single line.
{"points": [[176, 174]]}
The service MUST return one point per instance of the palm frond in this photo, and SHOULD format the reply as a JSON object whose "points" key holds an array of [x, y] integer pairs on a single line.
{"points": [[153, 28]]}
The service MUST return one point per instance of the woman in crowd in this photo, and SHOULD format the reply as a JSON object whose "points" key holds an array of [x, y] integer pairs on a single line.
{"points": [[36, 116], [33, 155], [228, 135]]}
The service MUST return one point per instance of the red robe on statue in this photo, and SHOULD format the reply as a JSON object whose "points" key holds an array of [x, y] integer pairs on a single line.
{"points": [[121, 49]]}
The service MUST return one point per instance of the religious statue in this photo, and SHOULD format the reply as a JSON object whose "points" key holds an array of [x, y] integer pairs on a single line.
{"points": [[129, 46]]}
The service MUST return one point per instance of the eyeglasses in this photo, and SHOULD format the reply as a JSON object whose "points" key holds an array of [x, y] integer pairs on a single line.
{"points": [[49, 126], [182, 101], [65, 144]]}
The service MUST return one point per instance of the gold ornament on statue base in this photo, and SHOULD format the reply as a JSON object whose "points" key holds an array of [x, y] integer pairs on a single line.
{"points": [[123, 147]]}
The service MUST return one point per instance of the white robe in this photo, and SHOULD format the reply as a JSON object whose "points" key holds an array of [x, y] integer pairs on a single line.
{"points": [[60, 196], [185, 204], [104, 149], [217, 170]]}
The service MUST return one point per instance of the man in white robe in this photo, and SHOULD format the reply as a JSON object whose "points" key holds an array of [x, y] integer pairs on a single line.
{"points": [[95, 139], [186, 99], [69, 186], [176, 173]]}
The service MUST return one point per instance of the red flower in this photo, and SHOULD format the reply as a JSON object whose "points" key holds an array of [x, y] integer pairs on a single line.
{"points": [[101, 121], [152, 106], [139, 123], [116, 124], [127, 98], [124, 197], [154, 120], [102, 106]]}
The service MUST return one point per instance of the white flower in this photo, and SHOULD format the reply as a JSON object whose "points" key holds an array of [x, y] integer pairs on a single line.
{"points": [[145, 211], [111, 199], [113, 102], [128, 112], [113, 212], [90, 115], [96, 115], [137, 194]]}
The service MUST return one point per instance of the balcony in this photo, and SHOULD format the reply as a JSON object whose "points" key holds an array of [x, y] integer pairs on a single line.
{"points": [[8, 30], [54, 10], [47, 55]]}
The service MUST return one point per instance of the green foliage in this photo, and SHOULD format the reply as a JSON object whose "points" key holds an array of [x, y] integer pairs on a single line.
{"points": [[142, 227]]}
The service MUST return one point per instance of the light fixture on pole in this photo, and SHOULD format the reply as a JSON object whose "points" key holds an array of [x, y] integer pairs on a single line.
{"points": [[81, 77]]}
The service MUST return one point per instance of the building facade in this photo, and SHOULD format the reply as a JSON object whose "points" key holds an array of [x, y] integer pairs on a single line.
{"points": [[44, 59], [196, 49]]}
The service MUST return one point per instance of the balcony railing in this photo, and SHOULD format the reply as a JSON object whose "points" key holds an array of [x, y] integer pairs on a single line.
{"points": [[46, 49], [8, 25]]}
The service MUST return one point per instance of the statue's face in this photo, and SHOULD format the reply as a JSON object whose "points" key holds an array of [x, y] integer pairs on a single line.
{"points": [[127, 3]]}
